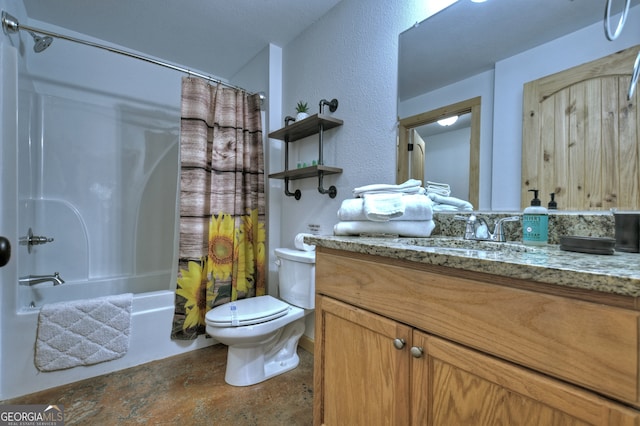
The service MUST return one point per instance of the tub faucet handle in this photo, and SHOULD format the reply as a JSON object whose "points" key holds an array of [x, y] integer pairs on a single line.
{"points": [[34, 240]]}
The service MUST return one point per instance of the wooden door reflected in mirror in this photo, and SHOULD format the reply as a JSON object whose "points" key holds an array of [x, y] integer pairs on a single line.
{"points": [[580, 136]]}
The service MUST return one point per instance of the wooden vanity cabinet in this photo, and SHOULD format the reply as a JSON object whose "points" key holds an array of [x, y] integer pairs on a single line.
{"points": [[391, 349], [365, 376]]}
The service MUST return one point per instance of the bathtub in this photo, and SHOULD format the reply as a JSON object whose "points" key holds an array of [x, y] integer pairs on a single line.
{"points": [[152, 315], [31, 298], [96, 172]]}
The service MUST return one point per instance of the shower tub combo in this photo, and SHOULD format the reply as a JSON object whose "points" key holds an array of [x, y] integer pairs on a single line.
{"points": [[94, 209]]}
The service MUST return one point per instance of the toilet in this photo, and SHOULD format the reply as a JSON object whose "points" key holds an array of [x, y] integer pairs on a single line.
{"points": [[263, 336]]}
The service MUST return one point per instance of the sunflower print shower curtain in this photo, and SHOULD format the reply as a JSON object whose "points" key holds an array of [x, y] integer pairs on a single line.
{"points": [[222, 206]]}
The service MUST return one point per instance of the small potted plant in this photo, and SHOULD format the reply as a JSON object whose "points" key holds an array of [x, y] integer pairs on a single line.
{"points": [[302, 110]]}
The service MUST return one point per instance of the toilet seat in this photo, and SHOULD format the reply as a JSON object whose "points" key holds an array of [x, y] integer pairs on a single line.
{"points": [[250, 311]]}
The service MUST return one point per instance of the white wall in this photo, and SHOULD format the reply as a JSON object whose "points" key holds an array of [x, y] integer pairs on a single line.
{"points": [[8, 188], [447, 160], [351, 54]]}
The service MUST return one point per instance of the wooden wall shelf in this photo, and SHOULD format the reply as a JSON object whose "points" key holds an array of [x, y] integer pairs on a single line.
{"points": [[312, 125], [305, 172], [304, 128]]}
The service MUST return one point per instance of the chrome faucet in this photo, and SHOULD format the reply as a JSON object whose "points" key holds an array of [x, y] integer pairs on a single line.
{"points": [[37, 279], [478, 229]]}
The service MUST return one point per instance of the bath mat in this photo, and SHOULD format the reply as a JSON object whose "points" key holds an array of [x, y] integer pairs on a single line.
{"points": [[83, 332]]}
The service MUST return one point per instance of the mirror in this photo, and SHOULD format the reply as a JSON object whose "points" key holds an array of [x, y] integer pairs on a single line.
{"points": [[453, 55], [431, 152]]}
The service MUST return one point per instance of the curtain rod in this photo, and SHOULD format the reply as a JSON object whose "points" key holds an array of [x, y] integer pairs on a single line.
{"points": [[10, 25]]}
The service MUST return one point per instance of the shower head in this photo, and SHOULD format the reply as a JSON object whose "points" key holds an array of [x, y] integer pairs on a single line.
{"points": [[41, 43], [10, 25]]}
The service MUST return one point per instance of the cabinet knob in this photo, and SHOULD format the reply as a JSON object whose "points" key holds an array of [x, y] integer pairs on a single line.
{"points": [[417, 351], [398, 343]]}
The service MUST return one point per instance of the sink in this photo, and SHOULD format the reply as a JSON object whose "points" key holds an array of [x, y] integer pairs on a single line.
{"points": [[462, 245]]}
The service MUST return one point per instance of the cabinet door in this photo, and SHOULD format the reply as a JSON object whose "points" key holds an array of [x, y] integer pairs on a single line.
{"points": [[361, 377], [455, 385]]}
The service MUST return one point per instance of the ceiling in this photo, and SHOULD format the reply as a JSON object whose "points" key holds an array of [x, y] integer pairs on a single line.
{"points": [[468, 38], [216, 37]]}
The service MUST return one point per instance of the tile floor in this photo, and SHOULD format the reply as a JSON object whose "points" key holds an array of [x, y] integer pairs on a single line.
{"points": [[187, 389]]}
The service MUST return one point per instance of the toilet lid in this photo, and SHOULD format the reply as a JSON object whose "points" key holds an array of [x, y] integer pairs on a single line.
{"points": [[250, 311]]}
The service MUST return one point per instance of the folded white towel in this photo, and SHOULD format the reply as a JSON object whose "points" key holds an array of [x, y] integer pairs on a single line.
{"points": [[416, 207], [301, 245], [450, 201], [438, 188], [383, 206], [444, 208], [411, 186], [404, 228], [352, 209]]}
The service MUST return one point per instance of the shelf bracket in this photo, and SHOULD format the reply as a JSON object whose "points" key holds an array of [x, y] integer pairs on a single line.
{"points": [[332, 191], [297, 194], [333, 105]]}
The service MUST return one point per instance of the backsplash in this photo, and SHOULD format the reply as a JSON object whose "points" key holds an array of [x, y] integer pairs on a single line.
{"points": [[583, 224]]}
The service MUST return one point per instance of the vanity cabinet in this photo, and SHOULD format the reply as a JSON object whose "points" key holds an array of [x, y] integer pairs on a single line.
{"points": [[365, 377], [401, 343]]}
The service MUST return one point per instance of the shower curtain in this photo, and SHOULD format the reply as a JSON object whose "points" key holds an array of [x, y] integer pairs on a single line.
{"points": [[222, 205]]}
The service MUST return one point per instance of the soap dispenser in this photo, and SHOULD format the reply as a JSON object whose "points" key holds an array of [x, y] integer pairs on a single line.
{"points": [[535, 222], [552, 204]]}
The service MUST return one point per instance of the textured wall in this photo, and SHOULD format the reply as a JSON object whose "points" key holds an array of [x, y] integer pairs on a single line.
{"points": [[350, 54]]}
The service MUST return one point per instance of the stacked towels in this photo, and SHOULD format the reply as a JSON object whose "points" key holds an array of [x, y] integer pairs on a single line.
{"points": [[412, 186], [449, 204], [438, 188], [403, 210], [440, 194]]}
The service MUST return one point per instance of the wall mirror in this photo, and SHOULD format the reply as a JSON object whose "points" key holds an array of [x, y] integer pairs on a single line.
{"points": [[466, 40], [450, 154]]}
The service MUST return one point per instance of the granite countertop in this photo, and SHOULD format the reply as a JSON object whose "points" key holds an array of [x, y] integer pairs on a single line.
{"points": [[616, 274]]}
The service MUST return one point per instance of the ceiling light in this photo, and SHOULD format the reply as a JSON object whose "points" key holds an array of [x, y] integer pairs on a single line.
{"points": [[478, 1], [448, 121]]}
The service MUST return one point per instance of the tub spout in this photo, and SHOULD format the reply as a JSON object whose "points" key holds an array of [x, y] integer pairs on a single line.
{"points": [[37, 279]]}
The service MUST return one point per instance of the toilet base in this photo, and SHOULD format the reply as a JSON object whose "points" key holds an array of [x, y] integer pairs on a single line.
{"points": [[251, 364]]}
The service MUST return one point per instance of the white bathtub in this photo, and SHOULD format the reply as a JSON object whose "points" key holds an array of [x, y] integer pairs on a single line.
{"points": [[152, 315], [31, 298]]}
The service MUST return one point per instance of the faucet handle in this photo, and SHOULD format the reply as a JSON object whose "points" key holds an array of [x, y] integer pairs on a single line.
{"points": [[470, 228], [498, 233]]}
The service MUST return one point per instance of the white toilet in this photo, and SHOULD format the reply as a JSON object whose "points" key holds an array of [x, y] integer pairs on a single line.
{"points": [[263, 344]]}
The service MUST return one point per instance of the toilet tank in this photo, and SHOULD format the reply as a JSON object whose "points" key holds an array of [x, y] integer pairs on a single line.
{"points": [[296, 276]]}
